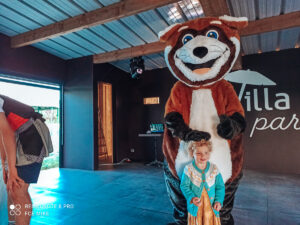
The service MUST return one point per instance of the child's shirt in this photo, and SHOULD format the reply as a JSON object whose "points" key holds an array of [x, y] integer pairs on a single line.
{"points": [[194, 179]]}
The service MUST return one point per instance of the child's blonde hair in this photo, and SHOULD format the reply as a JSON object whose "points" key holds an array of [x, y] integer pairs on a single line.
{"points": [[194, 144]]}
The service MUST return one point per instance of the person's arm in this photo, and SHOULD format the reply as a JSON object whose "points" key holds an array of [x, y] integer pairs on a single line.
{"points": [[2, 154], [220, 189], [3, 158], [7, 137], [185, 186]]}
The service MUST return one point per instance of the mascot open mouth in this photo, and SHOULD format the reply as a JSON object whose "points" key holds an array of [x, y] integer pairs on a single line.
{"points": [[201, 68]]}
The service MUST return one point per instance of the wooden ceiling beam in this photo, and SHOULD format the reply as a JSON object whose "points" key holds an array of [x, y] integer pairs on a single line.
{"points": [[215, 8], [103, 15], [274, 23], [126, 53], [259, 26]]}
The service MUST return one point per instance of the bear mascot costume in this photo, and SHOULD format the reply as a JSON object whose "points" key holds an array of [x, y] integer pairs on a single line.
{"points": [[202, 105]]}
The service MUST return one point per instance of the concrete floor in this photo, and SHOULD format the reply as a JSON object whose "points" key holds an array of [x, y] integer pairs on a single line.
{"points": [[133, 194]]}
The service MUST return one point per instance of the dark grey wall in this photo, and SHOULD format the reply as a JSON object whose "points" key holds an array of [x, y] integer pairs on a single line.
{"points": [[30, 62], [154, 83], [274, 150], [79, 115], [130, 115], [267, 150]]}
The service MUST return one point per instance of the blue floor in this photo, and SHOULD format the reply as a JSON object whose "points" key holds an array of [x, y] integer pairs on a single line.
{"points": [[135, 194]]}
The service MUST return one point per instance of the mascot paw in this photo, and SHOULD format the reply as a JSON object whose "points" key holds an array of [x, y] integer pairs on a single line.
{"points": [[195, 135], [226, 127], [176, 125]]}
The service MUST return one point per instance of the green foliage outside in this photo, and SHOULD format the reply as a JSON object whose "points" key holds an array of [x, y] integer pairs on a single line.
{"points": [[51, 162]]}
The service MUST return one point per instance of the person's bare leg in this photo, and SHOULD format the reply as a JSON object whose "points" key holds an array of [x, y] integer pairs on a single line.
{"points": [[20, 197], [11, 216]]}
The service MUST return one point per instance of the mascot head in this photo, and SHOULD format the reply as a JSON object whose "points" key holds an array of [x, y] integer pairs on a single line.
{"points": [[201, 51]]}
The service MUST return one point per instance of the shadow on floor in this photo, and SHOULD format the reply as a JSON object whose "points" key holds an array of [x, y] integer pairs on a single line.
{"points": [[133, 194]]}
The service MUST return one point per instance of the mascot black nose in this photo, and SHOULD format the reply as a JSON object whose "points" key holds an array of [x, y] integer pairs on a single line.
{"points": [[200, 52]]}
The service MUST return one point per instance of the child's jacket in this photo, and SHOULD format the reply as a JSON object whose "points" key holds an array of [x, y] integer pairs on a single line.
{"points": [[194, 179]]}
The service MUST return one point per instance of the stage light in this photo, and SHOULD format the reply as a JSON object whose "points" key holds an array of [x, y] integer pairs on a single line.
{"points": [[137, 67]]}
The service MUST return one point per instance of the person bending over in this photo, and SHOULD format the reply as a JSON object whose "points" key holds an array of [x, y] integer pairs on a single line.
{"points": [[24, 142]]}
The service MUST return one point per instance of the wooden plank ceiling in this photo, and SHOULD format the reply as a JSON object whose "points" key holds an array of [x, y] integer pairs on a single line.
{"points": [[112, 30]]}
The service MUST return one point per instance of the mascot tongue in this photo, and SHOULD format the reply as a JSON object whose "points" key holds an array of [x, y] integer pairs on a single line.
{"points": [[201, 68], [201, 71]]}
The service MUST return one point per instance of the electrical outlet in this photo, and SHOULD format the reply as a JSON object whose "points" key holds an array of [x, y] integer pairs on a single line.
{"points": [[132, 150]]}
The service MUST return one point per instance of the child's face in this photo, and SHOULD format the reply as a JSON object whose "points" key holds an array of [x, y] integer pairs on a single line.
{"points": [[201, 154]]}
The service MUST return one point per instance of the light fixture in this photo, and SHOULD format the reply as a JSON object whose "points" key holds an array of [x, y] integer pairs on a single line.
{"points": [[137, 67]]}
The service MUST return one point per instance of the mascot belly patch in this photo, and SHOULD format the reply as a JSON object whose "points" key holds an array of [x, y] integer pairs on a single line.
{"points": [[203, 106]]}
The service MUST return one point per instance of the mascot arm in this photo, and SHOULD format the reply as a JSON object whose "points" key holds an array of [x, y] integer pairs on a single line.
{"points": [[174, 117], [233, 122], [178, 128]]}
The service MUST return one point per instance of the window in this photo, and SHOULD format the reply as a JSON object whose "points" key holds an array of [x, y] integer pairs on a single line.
{"points": [[44, 98]]}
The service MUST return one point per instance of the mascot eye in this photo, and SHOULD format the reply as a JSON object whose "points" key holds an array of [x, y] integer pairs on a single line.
{"points": [[212, 34], [186, 38]]}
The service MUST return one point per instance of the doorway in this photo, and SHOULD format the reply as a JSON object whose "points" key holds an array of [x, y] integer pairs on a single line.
{"points": [[45, 98], [105, 123]]}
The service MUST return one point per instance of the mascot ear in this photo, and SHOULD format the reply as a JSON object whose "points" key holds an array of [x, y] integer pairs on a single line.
{"points": [[235, 22], [165, 34]]}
